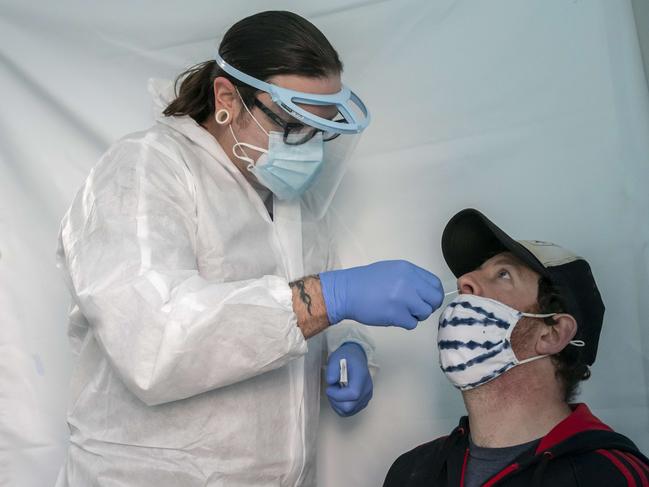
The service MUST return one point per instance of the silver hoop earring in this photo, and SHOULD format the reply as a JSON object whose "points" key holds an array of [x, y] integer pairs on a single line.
{"points": [[222, 116]]}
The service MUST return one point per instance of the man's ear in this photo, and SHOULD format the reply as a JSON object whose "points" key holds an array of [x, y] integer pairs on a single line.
{"points": [[555, 338], [226, 97]]}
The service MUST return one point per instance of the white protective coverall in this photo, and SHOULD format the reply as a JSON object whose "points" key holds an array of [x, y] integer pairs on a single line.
{"points": [[191, 368]]}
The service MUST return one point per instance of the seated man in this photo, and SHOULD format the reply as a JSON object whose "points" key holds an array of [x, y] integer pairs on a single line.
{"points": [[516, 341]]}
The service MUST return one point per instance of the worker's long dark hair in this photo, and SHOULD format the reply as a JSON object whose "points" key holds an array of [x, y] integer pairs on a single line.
{"points": [[262, 45]]}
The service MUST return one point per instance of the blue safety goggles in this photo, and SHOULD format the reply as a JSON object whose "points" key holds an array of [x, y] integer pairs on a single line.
{"points": [[355, 116]]}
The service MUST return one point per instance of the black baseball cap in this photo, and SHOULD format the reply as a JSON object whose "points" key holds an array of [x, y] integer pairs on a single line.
{"points": [[470, 238]]}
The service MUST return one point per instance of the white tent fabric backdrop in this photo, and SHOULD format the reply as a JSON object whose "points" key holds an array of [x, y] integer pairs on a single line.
{"points": [[535, 112]]}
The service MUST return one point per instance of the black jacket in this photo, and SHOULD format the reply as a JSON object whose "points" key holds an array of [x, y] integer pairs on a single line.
{"points": [[581, 451]]}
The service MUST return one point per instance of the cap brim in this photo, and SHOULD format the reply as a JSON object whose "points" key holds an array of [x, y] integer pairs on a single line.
{"points": [[470, 238]]}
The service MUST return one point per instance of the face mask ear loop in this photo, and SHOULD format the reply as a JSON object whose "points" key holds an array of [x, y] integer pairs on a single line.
{"points": [[240, 145], [532, 359], [250, 113], [574, 343], [508, 336], [535, 315], [244, 158]]}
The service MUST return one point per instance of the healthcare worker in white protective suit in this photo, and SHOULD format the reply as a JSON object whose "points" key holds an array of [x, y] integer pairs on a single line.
{"points": [[186, 252]]}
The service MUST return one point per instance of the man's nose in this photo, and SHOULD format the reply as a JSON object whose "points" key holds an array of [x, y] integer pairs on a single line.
{"points": [[469, 284]]}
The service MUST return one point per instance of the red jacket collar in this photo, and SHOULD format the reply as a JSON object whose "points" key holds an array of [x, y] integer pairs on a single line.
{"points": [[581, 419]]}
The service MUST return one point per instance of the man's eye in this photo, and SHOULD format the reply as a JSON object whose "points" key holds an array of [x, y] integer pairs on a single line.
{"points": [[504, 274]]}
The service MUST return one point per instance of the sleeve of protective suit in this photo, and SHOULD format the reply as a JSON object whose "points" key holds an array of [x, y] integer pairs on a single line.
{"points": [[349, 331], [128, 245]]}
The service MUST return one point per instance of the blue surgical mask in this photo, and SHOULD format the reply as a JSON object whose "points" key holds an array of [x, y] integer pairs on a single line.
{"points": [[287, 170]]}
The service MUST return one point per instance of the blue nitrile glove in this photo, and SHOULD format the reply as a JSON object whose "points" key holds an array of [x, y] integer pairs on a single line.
{"points": [[390, 292], [347, 401]]}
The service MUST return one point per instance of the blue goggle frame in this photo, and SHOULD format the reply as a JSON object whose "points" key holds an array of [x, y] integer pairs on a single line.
{"points": [[288, 99]]}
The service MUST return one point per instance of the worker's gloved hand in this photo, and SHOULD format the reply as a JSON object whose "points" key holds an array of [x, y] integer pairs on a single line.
{"points": [[347, 401], [386, 293]]}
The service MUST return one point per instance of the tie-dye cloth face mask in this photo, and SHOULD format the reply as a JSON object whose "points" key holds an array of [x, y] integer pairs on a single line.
{"points": [[474, 340]]}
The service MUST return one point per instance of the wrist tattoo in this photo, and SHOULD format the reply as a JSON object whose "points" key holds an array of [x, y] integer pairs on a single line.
{"points": [[304, 296]]}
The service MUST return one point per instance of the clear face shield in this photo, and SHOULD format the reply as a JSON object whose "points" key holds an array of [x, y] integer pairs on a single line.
{"points": [[337, 156], [314, 152]]}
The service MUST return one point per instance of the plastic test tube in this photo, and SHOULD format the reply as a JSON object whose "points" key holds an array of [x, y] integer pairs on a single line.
{"points": [[343, 373]]}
